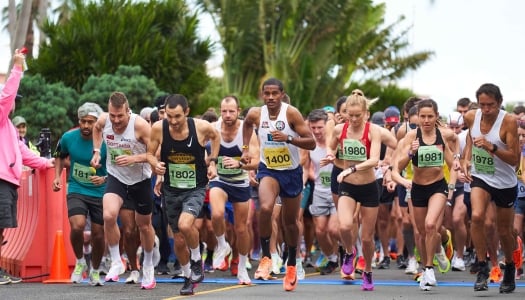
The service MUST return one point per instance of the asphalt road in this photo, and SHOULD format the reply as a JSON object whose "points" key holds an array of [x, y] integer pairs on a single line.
{"points": [[390, 284]]}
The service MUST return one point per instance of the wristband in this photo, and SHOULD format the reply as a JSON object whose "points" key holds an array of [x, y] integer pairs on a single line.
{"points": [[451, 186], [410, 154], [353, 169], [494, 148], [214, 159], [241, 164], [244, 147], [96, 150], [457, 156]]}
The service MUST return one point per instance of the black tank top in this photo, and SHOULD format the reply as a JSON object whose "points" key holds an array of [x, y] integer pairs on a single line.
{"points": [[438, 142], [184, 160]]}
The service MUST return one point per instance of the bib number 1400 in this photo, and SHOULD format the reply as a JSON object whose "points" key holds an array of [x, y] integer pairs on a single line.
{"points": [[278, 159]]}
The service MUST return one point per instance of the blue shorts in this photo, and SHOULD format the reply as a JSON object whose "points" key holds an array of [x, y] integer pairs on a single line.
{"points": [[519, 206], [235, 194], [290, 181]]}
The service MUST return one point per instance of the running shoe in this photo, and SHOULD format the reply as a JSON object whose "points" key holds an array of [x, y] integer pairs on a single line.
{"points": [[197, 272], [517, 255], [234, 266], [163, 269], [508, 284], [495, 274], [187, 287], [321, 261], [133, 278], [482, 277], [412, 266], [458, 264], [220, 253], [117, 268], [308, 263], [301, 274], [12, 279], [290, 279], [263, 271], [208, 268], [225, 265], [4, 279], [243, 277], [401, 261], [360, 266], [423, 282], [330, 268], [78, 272], [148, 278], [443, 263], [430, 277], [277, 264], [94, 278], [385, 263], [348, 264], [449, 248], [368, 284]]}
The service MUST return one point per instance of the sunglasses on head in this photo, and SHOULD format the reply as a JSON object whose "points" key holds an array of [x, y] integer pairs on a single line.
{"points": [[357, 93]]}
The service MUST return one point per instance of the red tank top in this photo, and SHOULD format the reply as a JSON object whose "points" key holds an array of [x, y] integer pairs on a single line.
{"points": [[364, 139]]}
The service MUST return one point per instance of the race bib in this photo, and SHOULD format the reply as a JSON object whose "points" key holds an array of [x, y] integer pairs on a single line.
{"points": [[114, 152], [353, 150], [429, 156], [221, 170], [326, 178], [81, 173], [182, 176], [278, 157], [483, 161]]}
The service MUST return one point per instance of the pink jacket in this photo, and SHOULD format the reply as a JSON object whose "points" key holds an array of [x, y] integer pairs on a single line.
{"points": [[13, 152]]}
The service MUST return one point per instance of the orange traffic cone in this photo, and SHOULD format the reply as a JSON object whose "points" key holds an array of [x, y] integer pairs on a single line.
{"points": [[59, 269]]}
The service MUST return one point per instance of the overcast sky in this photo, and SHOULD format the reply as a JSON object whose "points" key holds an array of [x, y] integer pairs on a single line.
{"points": [[475, 41]]}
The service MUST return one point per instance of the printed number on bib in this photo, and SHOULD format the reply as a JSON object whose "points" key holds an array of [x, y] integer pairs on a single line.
{"points": [[353, 150], [81, 173], [483, 161], [278, 157], [429, 156], [182, 176]]}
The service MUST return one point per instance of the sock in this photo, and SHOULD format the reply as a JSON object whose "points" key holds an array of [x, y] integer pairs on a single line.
{"points": [[186, 271], [148, 259], [209, 256], [81, 260], [242, 261], [332, 257], [114, 253], [265, 245], [292, 251], [221, 241], [195, 254]]}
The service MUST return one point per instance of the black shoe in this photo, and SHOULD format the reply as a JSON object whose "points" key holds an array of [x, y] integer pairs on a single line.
{"points": [[401, 262], [508, 284], [12, 279], [329, 268], [162, 269], [385, 263], [187, 287], [197, 272], [482, 278]]}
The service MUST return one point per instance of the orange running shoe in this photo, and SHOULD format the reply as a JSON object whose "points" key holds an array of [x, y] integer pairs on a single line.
{"points": [[234, 266], [290, 279], [263, 271], [360, 267], [517, 255], [495, 274]]}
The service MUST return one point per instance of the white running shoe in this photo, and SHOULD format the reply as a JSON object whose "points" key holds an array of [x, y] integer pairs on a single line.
{"points": [[300, 270], [117, 268], [430, 277], [458, 264], [219, 254], [148, 278], [243, 277], [134, 277], [94, 278], [412, 266], [423, 282], [78, 272], [277, 263]]}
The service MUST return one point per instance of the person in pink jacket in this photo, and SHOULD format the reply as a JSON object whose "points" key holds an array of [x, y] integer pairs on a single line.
{"points": [[13, 155]]}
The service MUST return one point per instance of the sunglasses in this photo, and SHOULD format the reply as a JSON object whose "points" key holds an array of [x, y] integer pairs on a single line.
{"points": [[412, 125], [357, 93]]}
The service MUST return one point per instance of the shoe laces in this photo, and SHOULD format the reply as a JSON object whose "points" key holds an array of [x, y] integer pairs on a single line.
{"points": [[78, 268]]}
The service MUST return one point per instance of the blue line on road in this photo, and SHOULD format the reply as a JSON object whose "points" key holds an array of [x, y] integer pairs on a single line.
{"points": [[338, 282]]}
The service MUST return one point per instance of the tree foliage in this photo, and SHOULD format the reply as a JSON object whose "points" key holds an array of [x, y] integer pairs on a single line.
{"points": [[140, 90], [47, 105], [314, 46], [159, 36]]}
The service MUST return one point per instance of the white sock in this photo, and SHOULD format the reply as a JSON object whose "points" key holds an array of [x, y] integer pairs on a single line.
{"points": [[148, 259], [332, 258], [81, 260], [195, 254], [186, 272], [221, 241], [242, 261], [114, 252]]}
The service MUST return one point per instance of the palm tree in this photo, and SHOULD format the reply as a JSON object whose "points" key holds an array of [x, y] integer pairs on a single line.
{"points": [[314, 46]]}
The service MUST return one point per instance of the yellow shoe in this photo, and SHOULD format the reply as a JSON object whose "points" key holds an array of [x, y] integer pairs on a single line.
{"points": [[449, 248]]}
